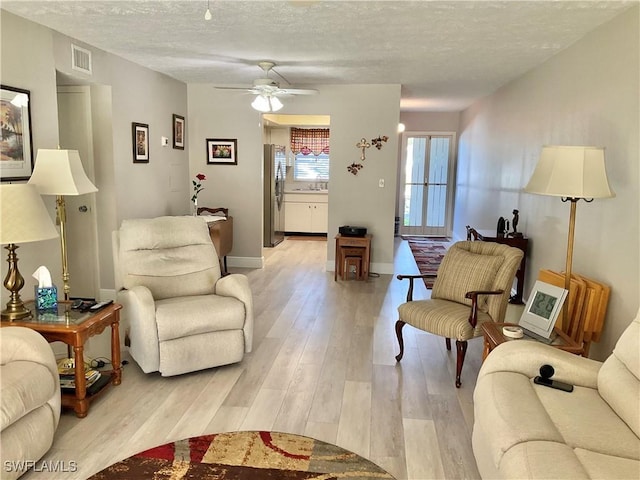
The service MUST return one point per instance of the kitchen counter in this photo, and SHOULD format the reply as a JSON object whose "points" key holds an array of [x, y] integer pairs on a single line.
{"points": [[305, 190]]}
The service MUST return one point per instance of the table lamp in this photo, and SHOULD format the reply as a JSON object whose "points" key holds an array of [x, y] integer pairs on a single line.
{"points": [[24, 219], [571, 173], [60, 173]]}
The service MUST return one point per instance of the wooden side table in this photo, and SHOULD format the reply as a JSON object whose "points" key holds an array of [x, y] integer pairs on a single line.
{"points": [[74, 328], [493, 337], [357, 242]]}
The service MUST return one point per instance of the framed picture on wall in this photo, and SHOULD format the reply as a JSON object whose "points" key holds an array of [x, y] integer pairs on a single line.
{"points": [[222, 151], [16, 151], [140, 140], [178, 132]]}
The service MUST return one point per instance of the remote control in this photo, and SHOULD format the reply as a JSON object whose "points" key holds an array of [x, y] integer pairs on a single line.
{"points": [[100, 305]]}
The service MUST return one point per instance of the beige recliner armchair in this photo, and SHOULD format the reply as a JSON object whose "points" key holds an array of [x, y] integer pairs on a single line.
{"points": [[29, 400], [179, 314]]}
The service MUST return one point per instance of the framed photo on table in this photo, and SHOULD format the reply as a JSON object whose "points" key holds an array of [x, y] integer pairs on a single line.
{"points": [[178, 132], [222, 151], [140, 141], [542, 309], [16, 151]]}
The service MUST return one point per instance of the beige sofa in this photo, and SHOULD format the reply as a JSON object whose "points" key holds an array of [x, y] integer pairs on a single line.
{"points": [[29, 399], [523, 430]]}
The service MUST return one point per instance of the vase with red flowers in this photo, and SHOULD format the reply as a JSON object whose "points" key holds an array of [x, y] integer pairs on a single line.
{"points": [[197, 188]]}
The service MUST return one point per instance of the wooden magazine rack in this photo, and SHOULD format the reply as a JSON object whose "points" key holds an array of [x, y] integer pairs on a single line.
{"points": [[588, 300]]}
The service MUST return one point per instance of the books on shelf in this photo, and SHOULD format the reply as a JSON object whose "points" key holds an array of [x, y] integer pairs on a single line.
{"points": [[69, 381]]}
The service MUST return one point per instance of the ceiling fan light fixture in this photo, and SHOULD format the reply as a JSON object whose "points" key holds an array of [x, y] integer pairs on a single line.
{"points": [[276, 104], [207, 14], [266, 103], [261, 103]]}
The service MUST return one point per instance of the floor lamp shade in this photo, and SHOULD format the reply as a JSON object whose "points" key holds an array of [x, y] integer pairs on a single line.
{"points": [[60, 172], [571, 172]]}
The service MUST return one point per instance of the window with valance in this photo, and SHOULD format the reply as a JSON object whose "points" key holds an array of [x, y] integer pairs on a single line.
{"points": [[310, 141]]}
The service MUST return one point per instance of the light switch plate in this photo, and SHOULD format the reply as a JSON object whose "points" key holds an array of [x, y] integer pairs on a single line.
{"points": [[381, 183]]}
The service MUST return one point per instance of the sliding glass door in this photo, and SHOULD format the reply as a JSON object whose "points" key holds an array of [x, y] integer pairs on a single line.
{"points": [[427, 195]]}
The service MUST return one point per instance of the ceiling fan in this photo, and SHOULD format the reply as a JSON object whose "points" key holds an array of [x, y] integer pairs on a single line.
{"points": [[267, 90]]}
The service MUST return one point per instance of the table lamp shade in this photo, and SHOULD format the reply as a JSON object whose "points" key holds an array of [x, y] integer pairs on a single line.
{"points": [[24, 217], [572, 172], [60, 172]]}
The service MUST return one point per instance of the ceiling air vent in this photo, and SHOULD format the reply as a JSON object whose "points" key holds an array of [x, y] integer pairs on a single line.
{"points": [[80, 59]]}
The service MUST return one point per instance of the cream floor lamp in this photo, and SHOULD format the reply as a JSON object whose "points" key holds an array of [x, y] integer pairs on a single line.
{"points": [[24, 219], [571, 173], [60, 173]]}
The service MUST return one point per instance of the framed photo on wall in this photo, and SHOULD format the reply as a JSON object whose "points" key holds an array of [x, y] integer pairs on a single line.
{"points": [[542, 309], [222, 151], [140, 140], [16, 150], [178, 132]]}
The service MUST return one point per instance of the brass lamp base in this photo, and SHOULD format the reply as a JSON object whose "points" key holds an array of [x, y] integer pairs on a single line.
{"points": [[15, 312], [14, 282]]}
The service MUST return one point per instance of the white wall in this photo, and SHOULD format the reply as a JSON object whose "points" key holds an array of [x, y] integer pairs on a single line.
{"points": [[356, 111], [122, 92], [27, 63], [585, 95]]}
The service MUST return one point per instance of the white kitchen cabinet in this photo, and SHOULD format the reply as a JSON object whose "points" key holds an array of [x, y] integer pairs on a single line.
{"points": [[306, 213]]}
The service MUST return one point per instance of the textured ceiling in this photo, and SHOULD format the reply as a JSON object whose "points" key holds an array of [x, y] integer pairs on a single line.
{"points": [[444, 54]]}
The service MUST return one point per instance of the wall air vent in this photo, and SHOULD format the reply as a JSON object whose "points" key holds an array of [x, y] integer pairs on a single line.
{"points": [[81, 59]]}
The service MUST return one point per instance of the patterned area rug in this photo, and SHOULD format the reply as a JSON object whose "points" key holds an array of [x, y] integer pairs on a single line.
{"points": [[428, 255], [244, 456]]}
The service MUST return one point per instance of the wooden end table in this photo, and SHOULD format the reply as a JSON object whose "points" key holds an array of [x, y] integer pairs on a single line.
{"points": [[358, 242], [74, 328], [493, 337]]}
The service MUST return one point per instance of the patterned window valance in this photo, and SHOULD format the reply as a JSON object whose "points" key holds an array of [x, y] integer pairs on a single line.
{"points": [[310, 141]]}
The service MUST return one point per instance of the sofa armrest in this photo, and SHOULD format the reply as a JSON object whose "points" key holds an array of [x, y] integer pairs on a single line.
{"points": [[526, 357], [139, 318], [237, 286], [23, 344]]}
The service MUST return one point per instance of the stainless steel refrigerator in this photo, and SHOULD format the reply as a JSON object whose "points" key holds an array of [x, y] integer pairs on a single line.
{"points": [[274, 175]]}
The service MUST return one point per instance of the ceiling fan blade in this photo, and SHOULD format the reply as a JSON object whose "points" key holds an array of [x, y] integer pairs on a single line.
{"points": [[239, 89], [296, 91]]}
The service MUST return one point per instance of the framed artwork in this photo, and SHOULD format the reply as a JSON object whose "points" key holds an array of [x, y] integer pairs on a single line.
{"points": [[542, 309], [140, 140], [222, 151], [178, 132], [16, 150]]}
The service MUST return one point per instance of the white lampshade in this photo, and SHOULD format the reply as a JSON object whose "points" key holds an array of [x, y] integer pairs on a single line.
{"points": [[24, 217], [276, 104], [60, 172], [571, 172], [266, 103]]}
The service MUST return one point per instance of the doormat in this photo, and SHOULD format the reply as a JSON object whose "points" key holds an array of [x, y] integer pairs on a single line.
{"points": [[244, 455], [428, 255]]}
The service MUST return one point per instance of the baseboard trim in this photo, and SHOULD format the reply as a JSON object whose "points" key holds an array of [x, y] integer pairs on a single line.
{"points": [[245, 262]]}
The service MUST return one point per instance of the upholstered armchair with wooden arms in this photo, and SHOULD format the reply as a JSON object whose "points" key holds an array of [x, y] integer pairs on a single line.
{"points": [[472, 286], [179, 313]]}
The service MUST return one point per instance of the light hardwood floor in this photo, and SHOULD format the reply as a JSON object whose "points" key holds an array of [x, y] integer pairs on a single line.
{"points": [[322, 365]]}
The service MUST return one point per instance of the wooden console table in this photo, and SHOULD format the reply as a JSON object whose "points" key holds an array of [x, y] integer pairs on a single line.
{"points": [[220, 231], [519, 242], [357, 242], [74, 328]]}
